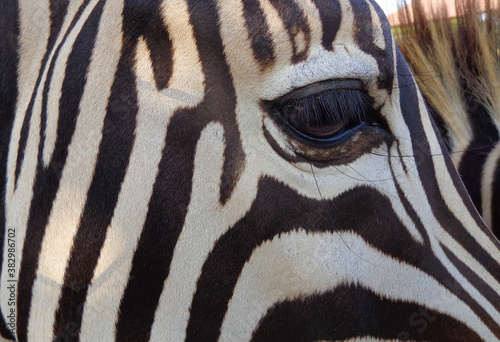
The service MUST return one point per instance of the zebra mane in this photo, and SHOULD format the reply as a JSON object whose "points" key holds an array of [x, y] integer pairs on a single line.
{"points": [[456, 63]]}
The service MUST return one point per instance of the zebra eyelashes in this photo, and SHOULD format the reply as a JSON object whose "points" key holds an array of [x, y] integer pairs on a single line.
{"points": [[326, 112]]}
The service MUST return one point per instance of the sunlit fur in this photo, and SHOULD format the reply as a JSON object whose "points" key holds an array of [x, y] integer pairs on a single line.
{"points": [[457, 66], [155, 196]]}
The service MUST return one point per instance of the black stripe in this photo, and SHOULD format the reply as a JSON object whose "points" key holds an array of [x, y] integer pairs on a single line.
{"points": [[164, 221], [490, 294], [224, 264], [58, 9], [425, 166], [9, 59], [114, 154], [352, 311], [427, 172], [47, 179], [160, 46], [435, 269], [471, 168], [378, 226], [495, 201], [439, 272], [258, 31], [57, 23], [462, 191], [172, 189], [295, 23], [407, 205], [386, 64], [330, 13], [482, 255], [365, 37]]}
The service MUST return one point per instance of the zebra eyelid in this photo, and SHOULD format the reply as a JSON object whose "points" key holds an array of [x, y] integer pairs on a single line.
{"points": [[318, 87]]}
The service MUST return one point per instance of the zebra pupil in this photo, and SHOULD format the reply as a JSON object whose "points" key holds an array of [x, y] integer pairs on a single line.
{"points": [[328, 114]]}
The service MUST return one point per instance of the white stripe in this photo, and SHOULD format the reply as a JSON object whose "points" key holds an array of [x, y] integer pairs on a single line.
{"points": [[378, 32], [282, 46], [34, 26], [196, 239], [469, 260], [77, 174], [487, 182], [155, 111], [115, 259], [448, 190], [55, 87], [298, 264], [450, 195]]}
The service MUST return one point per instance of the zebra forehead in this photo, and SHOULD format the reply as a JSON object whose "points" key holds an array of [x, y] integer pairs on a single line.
{"points": [[302, 42]]}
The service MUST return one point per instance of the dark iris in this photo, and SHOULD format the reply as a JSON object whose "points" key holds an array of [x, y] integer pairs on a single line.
{"points": [[328, 114]]}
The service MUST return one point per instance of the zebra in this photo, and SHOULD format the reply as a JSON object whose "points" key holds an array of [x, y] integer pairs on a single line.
{"points": [[228, 170], [458, 72]]}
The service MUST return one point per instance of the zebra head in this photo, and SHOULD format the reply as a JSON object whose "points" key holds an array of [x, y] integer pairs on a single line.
{"points": [[234, 170]]}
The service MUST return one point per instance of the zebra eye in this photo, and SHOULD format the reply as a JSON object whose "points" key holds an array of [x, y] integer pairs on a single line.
{"points": [[326, 115]]}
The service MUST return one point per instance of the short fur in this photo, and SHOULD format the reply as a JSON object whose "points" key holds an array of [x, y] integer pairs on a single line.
{"points": [[149, 194]]}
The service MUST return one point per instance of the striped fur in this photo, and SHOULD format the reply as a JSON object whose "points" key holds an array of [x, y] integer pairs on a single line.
{"points": [[157, 195], [457, 67]]}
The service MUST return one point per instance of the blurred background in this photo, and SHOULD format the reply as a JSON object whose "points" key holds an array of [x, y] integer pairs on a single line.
{"points": [[389, 6]]}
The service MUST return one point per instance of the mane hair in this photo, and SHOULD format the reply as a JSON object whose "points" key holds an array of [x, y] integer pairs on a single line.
{"points": [[455, 62]]}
